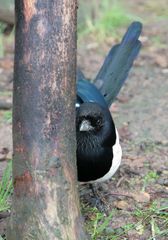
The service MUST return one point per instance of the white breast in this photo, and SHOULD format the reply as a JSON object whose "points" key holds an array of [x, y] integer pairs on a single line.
{"points": [[117, 154]]}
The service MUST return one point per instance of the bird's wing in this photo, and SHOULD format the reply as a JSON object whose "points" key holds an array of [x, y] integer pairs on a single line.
{"points": [[79, 74], [87, 92], [118, 62]]}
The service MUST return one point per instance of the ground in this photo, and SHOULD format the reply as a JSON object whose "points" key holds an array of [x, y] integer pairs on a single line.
{"points": [[136, 198]]}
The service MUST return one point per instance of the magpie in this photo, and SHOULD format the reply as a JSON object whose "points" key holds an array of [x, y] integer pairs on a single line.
{"points": [[98, 149]]}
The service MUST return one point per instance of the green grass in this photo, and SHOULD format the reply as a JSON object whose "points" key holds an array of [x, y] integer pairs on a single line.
{"points": [[153, 217], [112, 16], [96, 222], [150, 177], [5, 93], [6, 188], [7, 116], [98, 225], [2, 25]]}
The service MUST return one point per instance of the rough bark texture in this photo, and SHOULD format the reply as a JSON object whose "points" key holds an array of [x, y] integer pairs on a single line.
{"points": [[45, 202]]}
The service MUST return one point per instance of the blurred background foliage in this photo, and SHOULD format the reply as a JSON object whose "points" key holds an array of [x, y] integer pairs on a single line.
{"points": [[102, 18], [97, 18]]}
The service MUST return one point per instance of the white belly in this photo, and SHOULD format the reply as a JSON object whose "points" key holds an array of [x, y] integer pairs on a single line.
{"points": [[117, 154]]}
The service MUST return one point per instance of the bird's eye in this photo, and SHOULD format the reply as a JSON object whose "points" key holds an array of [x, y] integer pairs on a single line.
{"points": [[99, 122]]}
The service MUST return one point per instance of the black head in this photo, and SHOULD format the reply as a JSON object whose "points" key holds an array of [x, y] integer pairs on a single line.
{"points": [[95, 120], [89, 118]]}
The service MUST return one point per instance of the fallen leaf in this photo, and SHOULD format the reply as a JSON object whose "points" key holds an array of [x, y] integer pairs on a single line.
{"points": [[122, 205], [6, 63], [161, 61], [134, 161], [142, 197]]}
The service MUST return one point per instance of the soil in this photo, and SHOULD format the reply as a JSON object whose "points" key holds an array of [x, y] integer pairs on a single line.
{"points": [[140, 113]]}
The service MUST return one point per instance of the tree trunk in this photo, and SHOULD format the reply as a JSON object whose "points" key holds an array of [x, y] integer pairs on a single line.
{"points": [[45, 201]]}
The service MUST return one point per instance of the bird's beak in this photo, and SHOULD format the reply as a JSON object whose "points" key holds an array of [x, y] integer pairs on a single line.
{"points": [[85, 126]]}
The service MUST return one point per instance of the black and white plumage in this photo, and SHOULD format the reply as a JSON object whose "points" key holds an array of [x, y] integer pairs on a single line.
{"points": [[97, 143], [98, 148]]}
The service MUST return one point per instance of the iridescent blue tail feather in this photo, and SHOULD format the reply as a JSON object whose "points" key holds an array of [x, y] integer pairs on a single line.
{"points": [[115, 68]]}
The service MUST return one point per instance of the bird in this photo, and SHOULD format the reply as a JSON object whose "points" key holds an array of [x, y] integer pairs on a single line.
{"points": [[99, 151]]}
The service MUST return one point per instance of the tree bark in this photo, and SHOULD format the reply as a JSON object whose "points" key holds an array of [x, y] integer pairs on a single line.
{"points": [[45, 200]]}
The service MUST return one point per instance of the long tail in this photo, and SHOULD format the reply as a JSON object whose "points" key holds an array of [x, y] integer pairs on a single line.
{"points": [[118, 63]]}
